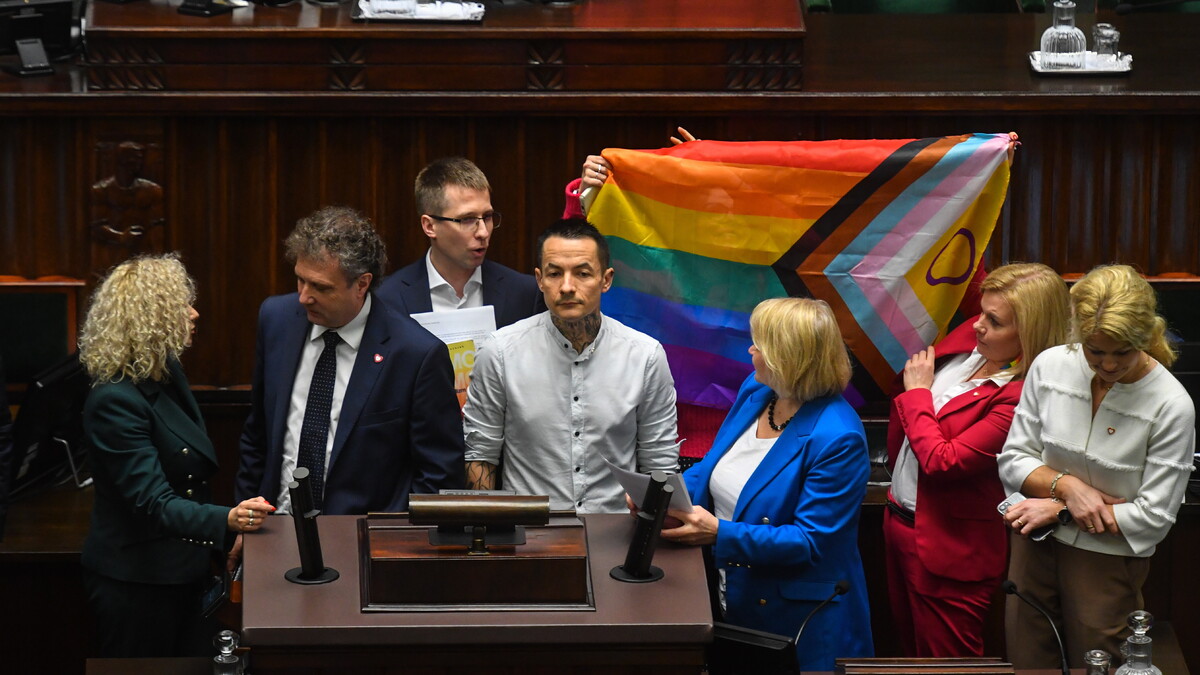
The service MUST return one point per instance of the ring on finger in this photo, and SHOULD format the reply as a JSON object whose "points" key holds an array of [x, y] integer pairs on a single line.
{"points": [[1020, 523], [251, 521]]}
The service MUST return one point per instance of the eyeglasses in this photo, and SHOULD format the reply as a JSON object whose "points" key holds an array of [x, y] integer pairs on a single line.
{"points": [[468, 224]]}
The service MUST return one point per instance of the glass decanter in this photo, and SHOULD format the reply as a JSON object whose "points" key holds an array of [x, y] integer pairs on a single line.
{"points": [[1063, 45], [226, 662], [1137, 647], [1097, 662]]}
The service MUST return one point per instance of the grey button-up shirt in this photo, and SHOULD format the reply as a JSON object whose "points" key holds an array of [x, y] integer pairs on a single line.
{"points": [[554, 415]]}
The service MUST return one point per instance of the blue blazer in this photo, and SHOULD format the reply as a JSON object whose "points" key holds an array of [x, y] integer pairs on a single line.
{"points": [[514, 296], [794, 531], [151, 463], [400, 429]]}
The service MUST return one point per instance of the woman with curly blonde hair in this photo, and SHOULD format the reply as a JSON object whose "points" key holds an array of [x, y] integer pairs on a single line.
{"points": [[154, 534], [1101, 445]]}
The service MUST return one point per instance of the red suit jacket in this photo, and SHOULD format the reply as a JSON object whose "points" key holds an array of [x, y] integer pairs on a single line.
{"points": [[959, 533]]}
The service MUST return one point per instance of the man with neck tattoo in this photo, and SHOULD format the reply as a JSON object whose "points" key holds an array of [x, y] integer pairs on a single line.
{"points": [[555, 395]]}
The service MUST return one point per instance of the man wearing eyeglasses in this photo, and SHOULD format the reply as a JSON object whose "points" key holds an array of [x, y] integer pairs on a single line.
{"points": [[455, 204]]}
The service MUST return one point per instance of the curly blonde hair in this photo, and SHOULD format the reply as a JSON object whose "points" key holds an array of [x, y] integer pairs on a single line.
{"points": [[802, 346], [1115, 300], [139, 319]]}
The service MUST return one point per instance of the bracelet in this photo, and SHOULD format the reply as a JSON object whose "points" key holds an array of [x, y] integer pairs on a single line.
{"points": [[1054, 483]]}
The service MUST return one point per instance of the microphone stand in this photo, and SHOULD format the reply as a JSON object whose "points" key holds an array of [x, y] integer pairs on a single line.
{"points": [[1011, 588], [840, 588]]}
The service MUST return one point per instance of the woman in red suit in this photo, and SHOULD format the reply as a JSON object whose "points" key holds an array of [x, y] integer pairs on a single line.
{"points": [[946, 544]]}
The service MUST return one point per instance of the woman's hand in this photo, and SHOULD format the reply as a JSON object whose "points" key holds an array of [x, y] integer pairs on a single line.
{"points": [[918, 372], [684, 136], [1032, 514], [698, 528], [595, 170], [249, 515], [234, 556], [1091, 508]]}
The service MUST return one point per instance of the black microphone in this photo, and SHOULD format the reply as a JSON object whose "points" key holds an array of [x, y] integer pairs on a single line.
{"points": [[1011, 588], [1127, 7], [840, 588]]}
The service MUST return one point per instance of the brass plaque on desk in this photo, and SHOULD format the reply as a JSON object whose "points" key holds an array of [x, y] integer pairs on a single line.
{"points": [[401, 571]]}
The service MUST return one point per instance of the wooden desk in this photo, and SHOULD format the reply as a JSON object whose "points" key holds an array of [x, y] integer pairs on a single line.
{"points": [[321, 628], [614, 45], [45, 623]]}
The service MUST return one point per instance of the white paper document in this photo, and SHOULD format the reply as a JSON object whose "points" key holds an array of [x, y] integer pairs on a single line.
{"points": [[635, 485], [422, 10], [463, 331], [474, 323]]}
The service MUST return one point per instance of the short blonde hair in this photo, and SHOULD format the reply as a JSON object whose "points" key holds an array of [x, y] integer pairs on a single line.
{"points": [[1116, 301], [138, 320], [801, 344], [1040, 303]]}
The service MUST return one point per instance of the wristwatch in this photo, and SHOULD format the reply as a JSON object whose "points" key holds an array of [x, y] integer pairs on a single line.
{"points": [[1064, 516]]}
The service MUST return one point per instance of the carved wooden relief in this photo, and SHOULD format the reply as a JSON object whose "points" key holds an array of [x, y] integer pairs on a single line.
{"points": [[126, 205], [343, 52], [348, 78], [110, 78], [546, 61], [765, 66]]}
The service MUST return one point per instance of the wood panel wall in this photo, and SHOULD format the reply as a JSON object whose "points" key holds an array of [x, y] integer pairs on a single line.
{"points": [[1086, 189]]}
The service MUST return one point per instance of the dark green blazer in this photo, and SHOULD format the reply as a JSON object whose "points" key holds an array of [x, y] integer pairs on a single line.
{"points": [[151, 460]]}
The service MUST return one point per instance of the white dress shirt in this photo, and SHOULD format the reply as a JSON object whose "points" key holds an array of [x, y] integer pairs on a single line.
{"points": [[443, 297], [949, 381], [554, 415], [347, 350], [730, 476]]}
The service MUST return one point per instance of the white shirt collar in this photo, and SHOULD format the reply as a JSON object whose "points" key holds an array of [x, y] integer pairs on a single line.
{"points": [[352, 332], [436, 280]]}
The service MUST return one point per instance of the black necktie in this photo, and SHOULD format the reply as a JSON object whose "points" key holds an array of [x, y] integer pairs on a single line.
{"points": [[314, 433]]}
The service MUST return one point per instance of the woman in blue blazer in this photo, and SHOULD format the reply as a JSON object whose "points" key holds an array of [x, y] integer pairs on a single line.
{"points": [[153, 535], [777, 497]]}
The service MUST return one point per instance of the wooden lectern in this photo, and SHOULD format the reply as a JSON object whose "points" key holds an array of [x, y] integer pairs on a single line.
{"points": [[660, 627], [402, 571]]}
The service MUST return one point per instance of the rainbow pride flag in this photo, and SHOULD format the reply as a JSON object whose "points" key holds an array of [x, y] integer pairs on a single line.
{"points": [[888, 232]]}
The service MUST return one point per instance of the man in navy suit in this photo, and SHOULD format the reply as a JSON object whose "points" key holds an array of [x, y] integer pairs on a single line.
{"points": [[393, 426], [455, 202]]}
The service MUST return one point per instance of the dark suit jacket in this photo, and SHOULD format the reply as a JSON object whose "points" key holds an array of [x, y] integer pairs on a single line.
{"points": [[794, 531], [514, 295], [151, 461], [959, 533], [400, 429]]}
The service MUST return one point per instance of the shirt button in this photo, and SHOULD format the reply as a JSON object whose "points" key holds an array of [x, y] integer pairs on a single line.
{"points": [[762, 601], [190, 476], [189, 492], [576, 363], [578, 468], [576, 434], [579, 503], [766, 521], [576, 398], [184, 451]]}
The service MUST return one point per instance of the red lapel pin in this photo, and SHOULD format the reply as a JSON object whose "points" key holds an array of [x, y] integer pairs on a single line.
{"points": [[379, 358]]}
